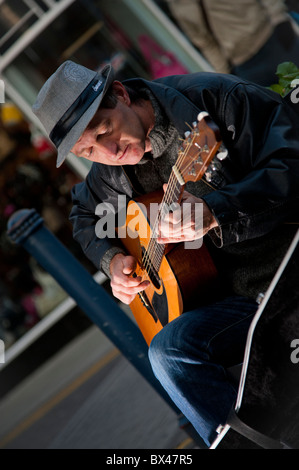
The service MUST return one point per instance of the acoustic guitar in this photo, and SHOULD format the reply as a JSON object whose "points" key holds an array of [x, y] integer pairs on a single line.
{"points": [[178, 276]]}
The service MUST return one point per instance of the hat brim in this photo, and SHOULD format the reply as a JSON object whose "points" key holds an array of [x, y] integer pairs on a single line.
{"points": [[76, 132]]}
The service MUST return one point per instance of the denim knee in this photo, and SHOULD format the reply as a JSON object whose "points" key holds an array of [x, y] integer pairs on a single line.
{"points": [[157, 349], [171, 348], [162, 349]]}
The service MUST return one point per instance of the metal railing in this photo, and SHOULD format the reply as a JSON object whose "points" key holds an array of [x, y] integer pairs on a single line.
{"points": [[22, 21]]}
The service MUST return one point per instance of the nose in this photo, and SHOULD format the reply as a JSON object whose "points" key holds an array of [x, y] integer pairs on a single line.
{"points": [[108, 148]]}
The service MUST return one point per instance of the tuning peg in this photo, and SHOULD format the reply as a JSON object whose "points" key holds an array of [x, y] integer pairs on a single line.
{"points": [[208, 175], [213, 168], [222, 153], [187, 134], [202, 116], [192, 171]]}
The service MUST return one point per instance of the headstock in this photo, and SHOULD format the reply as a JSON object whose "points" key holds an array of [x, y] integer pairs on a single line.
{"points": [[201, 145]]}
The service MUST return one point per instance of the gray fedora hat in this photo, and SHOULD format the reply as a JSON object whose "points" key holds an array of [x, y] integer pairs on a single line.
{"points": [[68, 101]]}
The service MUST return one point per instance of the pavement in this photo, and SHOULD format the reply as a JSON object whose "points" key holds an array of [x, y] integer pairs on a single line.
{"points": [[88, 396]]}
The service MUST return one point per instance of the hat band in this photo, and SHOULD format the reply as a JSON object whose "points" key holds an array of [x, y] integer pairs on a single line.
{"points": [[76, 111]]}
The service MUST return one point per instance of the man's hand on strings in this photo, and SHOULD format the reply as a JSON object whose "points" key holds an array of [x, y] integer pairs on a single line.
{"points": [[185, 222], [124, 286]]}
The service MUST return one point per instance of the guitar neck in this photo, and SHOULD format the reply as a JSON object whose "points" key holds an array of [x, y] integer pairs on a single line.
{"points": [[172, 196]]}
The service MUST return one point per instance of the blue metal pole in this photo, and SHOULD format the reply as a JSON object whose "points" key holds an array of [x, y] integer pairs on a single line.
{"points": [[26, 228]]}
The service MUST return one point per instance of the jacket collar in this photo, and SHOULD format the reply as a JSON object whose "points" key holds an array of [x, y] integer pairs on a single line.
{"points": [[171, 100]]}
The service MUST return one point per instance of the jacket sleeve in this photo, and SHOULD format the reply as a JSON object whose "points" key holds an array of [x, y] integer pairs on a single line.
{"points": [[85, 218], [263, 145]]}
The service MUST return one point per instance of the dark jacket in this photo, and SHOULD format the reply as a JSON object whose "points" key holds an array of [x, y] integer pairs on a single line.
{"points": [[257, 189]]}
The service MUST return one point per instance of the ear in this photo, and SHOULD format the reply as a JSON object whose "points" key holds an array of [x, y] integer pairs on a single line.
{"points": [[121, 92]]}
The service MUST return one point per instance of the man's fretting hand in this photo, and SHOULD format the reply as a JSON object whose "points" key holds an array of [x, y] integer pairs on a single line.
{"points": [[186, 226]]}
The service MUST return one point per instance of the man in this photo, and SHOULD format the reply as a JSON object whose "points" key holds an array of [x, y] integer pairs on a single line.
{"points": [[131, 132]]}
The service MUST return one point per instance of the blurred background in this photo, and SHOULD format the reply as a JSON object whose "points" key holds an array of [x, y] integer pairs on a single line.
{"points": [[35, 38], [38, 321]]}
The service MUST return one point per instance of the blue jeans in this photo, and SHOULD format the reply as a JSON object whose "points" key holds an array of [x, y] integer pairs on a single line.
{"points": [[189, 356]]}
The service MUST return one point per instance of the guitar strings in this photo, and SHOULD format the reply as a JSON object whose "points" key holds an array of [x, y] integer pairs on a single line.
{"points": [[154, 248], [154, 253]]}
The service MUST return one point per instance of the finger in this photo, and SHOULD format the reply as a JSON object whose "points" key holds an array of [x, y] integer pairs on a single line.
{"points": [[128, 298], [129, 265], [124, 298], [170, 230], [169, 225], [167, 241], [173, 212], [172, 218], [175, 231], [186, 236], [125, 281], [126, 289], [127, 295]]}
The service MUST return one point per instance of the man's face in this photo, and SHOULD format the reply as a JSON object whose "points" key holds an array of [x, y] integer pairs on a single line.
{"points": [[115, 136]]}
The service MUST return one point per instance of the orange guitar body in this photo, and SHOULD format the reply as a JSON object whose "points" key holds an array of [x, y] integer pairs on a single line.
{"points": [[186, 276]]}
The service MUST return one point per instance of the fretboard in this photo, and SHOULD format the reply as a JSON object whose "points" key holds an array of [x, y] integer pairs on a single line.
{"points": [[153, 256]]}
